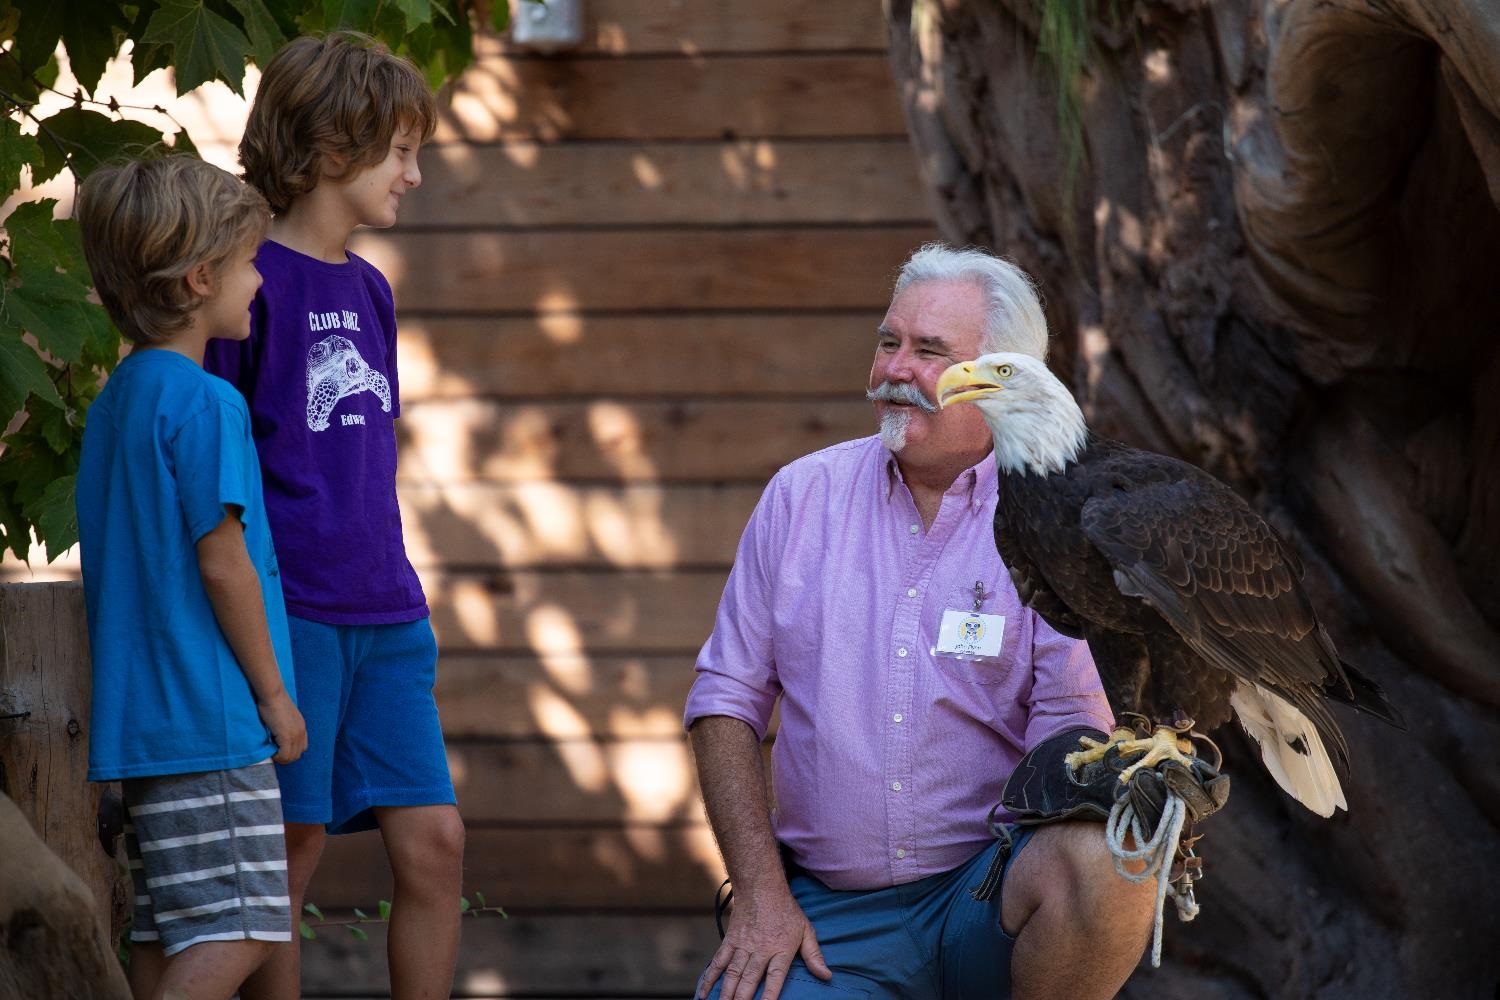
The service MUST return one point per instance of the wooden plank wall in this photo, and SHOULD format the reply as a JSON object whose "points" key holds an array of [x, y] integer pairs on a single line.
{"points": [[637, 279]]}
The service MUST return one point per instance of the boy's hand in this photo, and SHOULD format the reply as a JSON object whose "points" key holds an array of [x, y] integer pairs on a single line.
{"points": [[287, 728]]}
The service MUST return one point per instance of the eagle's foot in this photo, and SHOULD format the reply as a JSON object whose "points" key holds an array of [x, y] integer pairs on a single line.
{"points": [[1096, 750], [1167, 743]]}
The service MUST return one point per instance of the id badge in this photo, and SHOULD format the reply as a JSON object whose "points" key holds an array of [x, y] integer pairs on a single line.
{"points": [[970, 635]]}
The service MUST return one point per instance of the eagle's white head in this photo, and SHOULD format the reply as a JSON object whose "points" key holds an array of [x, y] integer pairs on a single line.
{"points": [[1035, 421]]}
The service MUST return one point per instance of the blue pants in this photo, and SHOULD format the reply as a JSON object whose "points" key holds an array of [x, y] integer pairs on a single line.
{"points": [[926, 940]]}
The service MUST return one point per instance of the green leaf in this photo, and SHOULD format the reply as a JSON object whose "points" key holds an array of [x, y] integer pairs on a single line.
{"points": [[91, 140], [308, 934], [35, 240], [361, 914], [22, 373], [384, 909], [500, 15], [480, 896], [49, 305], [16, 151], [101, 342], [55, 516], [15, 532], [88, 34], [39, 32], [265, 34], [183, 143], [51, 424], [205, 46], [14, 79], [415, 11], [358, 932], [317, 913], [463, 904], [351, 13]]}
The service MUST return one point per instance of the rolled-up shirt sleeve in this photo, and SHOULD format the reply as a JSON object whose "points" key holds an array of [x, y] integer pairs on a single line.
{"points": [[736, 669], [1065, 690]]}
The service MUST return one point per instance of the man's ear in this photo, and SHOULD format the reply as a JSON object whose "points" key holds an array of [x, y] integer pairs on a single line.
{"points": [[201, 279]]}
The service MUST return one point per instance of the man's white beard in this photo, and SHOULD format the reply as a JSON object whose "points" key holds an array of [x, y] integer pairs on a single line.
{"points": [[893, 425]]}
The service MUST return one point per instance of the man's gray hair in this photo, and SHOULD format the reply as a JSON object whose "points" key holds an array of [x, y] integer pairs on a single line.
{"points": [[1014, 319]]}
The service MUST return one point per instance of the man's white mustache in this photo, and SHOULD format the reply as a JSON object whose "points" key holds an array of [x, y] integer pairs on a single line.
{"points": [[901, 392]]}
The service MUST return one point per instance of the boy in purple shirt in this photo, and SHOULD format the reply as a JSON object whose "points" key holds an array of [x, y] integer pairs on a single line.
{"points": [[332, 143]]}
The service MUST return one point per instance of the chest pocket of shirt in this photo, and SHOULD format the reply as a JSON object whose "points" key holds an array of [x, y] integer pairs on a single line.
{"points": [[970, 670]]}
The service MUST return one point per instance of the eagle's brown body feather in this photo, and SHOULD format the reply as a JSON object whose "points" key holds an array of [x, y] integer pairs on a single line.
{"points": [[1181, 589]]}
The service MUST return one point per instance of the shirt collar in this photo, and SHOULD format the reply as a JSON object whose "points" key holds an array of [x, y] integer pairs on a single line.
{"points": [[976, 484]]}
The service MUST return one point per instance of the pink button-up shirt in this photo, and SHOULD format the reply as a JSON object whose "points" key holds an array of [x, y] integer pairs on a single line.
{"points": [[889, 754]]}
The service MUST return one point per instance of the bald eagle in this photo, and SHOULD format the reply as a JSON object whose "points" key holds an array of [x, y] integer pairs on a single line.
{"points": [[1191, 603]]}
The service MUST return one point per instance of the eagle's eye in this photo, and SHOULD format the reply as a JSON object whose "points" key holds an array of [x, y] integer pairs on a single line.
{"points": [[1005, 371]]}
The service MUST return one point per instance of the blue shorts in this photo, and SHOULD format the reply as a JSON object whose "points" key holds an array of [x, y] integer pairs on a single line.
{"points": [[926, 940], [373, 735]]}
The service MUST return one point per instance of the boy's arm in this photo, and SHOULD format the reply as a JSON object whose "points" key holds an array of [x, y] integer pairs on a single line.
{"points": [[234, 592]]}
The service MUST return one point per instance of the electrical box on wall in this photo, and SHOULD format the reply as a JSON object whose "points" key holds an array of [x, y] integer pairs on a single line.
{"points": [[547, 25]]}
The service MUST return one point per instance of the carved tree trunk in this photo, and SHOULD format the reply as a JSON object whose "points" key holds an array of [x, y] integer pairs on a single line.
{"points": [[1275, 258], [62, 898]]}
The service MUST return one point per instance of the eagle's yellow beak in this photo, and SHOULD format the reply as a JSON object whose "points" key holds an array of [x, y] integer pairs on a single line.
{"points": [[965, 381]]}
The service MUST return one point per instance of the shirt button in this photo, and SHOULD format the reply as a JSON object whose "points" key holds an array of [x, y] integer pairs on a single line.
{"points": [[915, 528], [895, 786], [911, 591], [897, 717], [900, 852], [901, 651]]}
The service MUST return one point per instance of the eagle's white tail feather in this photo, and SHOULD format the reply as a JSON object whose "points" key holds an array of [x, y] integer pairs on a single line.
{"points": [[1276, 725]]}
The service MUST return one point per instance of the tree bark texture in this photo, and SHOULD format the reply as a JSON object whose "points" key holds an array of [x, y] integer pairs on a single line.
{"points": [[48, 809], [1273, 256]]}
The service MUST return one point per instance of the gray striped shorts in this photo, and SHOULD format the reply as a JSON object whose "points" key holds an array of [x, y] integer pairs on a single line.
{"points": [[207, 855]]}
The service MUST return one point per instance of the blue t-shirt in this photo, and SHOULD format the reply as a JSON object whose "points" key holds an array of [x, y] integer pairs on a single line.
{"points": [[319, 374], [166, 446]]}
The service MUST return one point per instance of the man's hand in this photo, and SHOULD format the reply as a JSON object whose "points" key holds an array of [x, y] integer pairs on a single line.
{"points": [[764, 936], [287, 728]]}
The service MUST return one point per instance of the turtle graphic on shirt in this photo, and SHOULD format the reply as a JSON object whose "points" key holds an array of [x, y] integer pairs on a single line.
{"points": [[335, 370]]}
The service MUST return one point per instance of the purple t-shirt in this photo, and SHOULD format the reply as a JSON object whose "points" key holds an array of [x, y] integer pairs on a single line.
{"points": [[319, 375]]}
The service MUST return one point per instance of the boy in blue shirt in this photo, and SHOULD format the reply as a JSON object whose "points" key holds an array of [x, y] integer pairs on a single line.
{"points": [[332, 141], [192, 695]]}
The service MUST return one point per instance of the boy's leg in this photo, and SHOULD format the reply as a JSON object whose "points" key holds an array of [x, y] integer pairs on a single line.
{"points": [[147, 963], [324, 676], [208, 866], [280, 976], [211, 970], [391, 771], [425, 845]]}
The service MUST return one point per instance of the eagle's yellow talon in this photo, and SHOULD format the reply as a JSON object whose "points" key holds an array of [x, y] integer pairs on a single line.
{"points": [[1094, 750], [1164, 744]]}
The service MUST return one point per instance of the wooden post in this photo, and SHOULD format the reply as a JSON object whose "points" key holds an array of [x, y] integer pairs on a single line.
{"points": [[45, 681]]}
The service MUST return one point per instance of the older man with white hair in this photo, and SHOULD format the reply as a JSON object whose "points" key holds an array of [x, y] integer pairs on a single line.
{"points": [[868, 599]]}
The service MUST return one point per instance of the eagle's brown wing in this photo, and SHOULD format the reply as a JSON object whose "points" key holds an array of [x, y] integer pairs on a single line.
{"points": [[1222, 578]]}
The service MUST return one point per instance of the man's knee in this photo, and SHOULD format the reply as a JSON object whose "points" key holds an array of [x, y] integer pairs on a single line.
{"points": [[1067, 868]]}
